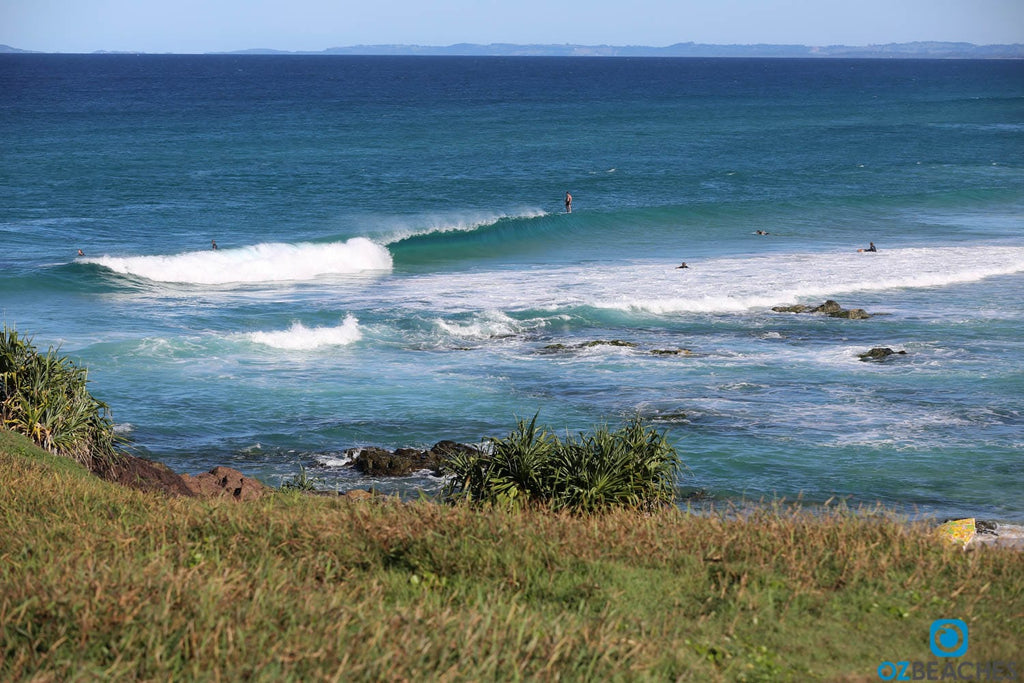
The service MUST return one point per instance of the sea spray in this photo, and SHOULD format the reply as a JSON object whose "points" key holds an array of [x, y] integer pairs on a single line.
{"points": [[298, 337]]}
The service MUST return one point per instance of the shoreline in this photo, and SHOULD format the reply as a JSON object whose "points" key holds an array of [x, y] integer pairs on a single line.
{"points": [[152, 476]]}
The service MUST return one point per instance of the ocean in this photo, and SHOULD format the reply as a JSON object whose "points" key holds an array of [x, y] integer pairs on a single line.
{"points": [[395, 265]]}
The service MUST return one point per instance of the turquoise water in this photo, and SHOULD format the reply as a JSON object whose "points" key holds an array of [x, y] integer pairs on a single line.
{"points": [[394, 260]]}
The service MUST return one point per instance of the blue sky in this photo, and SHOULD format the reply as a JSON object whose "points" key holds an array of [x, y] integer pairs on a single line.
{"points": [[215, 25]]}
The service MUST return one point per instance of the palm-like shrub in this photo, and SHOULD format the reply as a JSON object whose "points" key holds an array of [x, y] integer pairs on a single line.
{"points": [[44, 396], [513, 472], [633, 467]]}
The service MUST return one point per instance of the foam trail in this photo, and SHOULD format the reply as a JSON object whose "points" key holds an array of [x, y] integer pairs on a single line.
{"points": [[268, 262], [301, 338]]}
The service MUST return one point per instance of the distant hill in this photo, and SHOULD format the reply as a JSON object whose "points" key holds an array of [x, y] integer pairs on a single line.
{"points": [[905, 50], [7, 49], [918, 50]]}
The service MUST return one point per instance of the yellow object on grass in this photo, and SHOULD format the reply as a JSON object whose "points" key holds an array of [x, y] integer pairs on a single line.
{"points": [[958, 530]]}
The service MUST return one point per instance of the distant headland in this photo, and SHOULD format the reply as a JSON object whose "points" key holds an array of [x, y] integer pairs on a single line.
{"points": [[915, 50]]}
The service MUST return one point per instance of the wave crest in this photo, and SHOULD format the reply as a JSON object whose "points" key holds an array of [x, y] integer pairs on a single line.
{"points": [[432, 226], [268, 262]]}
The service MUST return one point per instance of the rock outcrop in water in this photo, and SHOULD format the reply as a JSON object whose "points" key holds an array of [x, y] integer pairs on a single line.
{"points": [[555, 348], [381, 462], [879, 353], [566, 348], [830, 308]]}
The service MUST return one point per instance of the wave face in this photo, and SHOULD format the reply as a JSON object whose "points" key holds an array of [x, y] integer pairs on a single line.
{"points": [[268, 262], [473, 236], [425, 230]]}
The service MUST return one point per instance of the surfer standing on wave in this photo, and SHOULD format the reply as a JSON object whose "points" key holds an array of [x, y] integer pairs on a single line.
{"points": [[568, 203]]}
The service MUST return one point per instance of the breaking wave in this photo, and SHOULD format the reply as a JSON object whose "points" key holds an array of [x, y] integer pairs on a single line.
{"points": [[268, 262], [298, 337]]}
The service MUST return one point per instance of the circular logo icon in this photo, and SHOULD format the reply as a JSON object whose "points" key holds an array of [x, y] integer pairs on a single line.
{"points": [[948, 638]]}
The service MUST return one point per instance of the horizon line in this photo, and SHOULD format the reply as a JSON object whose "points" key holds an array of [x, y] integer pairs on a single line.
{"points": [[918, 48]]}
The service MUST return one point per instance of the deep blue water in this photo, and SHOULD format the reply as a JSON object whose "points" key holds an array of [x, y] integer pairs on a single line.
{"points": [[394, 258]]}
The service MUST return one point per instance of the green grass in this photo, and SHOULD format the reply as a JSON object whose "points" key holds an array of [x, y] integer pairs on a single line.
{"points": [[101, 582]]}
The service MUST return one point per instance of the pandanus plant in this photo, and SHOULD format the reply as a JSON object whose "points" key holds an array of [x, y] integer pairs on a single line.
{"points": [[633, 467], [45, 397]]}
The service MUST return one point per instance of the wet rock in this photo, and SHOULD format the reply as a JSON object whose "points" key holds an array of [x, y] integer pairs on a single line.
{"points": [[879, 353], [559, 348], [671, 352], [382, 462], [853, 314], [444, 449], [830, 308], [402, 462], [985, 526], [610, 342]]}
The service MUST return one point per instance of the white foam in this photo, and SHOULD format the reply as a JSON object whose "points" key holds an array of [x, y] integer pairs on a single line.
{"points": [[741, 284], [298, 337], [335, 459], [268, 262], [488, 325], [716, 285]]}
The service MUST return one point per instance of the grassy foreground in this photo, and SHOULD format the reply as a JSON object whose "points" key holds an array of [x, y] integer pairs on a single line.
{"points": [[101, 582]]}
